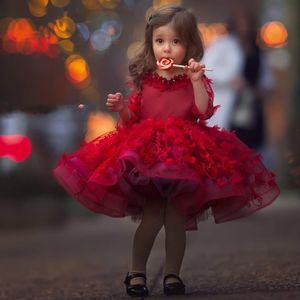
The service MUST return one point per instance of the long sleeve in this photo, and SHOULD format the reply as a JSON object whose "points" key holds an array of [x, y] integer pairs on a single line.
{"points": [[210, 105], [134, 105], [133, 102]]}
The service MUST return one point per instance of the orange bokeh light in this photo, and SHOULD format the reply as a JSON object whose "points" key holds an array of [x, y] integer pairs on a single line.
{"points": [[109, 4], [64, 27], [91, 4], [274, 34], [19, 30], [77, 70], [38, 7], [18, 35], [15, 147], [210, 32], [99, 123], [160, 3], [21, 37]]}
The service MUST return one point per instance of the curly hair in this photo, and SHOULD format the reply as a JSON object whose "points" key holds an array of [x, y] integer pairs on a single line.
{"points": [[184, 24]]}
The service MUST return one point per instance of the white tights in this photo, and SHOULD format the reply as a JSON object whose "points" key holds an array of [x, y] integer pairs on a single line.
{"points": [[155, 215]]}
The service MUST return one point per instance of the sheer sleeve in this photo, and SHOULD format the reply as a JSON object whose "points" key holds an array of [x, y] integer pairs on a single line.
{"points": [[134, 105], [210, 110], [133, 102]]}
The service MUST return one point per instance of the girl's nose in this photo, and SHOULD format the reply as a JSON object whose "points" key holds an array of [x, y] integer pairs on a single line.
{"points": [[167, 47]]}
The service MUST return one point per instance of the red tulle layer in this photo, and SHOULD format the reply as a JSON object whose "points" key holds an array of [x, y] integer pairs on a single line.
{"points": [[198, 168]]}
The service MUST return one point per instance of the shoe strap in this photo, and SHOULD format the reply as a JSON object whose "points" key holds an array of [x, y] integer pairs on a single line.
{"points": [[129, 276], [135, 275], [173, 276]]}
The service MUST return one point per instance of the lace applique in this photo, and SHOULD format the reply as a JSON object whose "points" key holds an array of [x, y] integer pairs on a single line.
{"points": [[163, 84]]}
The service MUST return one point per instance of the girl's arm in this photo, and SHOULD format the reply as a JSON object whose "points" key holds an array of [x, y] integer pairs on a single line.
{"points": [[116, 102], [203, 93], [201, 96], [196, 72]]}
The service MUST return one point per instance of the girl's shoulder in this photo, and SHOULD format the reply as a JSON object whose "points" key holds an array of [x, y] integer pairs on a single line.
{"points": [[154, 80]]}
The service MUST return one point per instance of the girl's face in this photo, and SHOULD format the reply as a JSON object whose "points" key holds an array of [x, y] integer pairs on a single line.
{"points": [[166, 43]]}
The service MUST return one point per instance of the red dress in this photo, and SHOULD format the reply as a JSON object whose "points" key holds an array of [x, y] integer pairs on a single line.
{"points": [[168, 152]]}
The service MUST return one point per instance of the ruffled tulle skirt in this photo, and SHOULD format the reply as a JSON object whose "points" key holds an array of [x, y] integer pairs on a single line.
{"points": [[200, 169]]}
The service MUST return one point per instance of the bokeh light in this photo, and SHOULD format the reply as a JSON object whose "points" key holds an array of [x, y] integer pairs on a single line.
{"points": [[99, 123], [15, 147], [210, 32], [77, 71], [38, 7], [109, 4], [48, 43], [91, 4], [21, 37], [67, 46], [64, 27], [274, 34], [160, 3], [18, 35], [20, 30], [113, 28], [100, 40], [60, 3], [83, 30]]}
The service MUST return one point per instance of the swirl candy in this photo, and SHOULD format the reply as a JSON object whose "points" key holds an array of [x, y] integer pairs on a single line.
{"points": [[166, 63]]}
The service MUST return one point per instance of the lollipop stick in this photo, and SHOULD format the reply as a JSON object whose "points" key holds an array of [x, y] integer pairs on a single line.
{"points": [[183, 67], [179, 66]]}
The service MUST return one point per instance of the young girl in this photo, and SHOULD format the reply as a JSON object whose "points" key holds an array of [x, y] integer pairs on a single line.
{"points": [[163, 164]]}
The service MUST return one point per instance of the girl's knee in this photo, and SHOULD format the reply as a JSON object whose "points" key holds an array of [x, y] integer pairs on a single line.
{"points": [[154, 213], [173, 217], [171, 210]]}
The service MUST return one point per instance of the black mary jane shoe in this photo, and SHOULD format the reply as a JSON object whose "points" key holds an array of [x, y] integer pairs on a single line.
{"points": [[136, 290], [174, 288]]}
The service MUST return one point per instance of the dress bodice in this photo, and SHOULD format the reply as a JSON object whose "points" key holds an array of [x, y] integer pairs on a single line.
{"points": [[161, 98]]}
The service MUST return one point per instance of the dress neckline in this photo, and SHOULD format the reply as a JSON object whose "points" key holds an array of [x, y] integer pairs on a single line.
{"points": [[162, 83], [178, 77]]}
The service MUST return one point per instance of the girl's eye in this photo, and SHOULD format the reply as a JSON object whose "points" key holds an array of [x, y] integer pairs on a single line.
{"points": [[159, 41], [176, 41]]}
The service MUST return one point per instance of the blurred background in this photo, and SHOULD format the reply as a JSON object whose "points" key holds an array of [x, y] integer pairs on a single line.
{"points": [[60, 58]]}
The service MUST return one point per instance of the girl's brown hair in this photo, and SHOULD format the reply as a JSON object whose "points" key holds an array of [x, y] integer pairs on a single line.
{"points": [[185, 25]]}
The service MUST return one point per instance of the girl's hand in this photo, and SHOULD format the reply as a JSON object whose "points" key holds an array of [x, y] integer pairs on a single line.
{"points": [[195, 70], [115, 102]]}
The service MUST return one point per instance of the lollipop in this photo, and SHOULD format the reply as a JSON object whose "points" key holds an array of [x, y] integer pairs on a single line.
{"points": [[166, 63]]}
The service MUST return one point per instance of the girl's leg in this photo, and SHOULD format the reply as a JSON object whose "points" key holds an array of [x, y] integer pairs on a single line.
{"points": [[175, 241], [151, 223]]}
